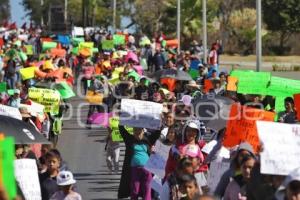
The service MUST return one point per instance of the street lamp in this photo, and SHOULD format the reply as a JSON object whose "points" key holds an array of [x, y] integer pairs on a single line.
{"points": [[178, 25], [114, 14], [204, 27], [258, 36]]}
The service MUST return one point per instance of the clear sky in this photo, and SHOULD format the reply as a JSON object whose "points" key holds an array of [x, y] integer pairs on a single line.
{"points": [[17, 13]]}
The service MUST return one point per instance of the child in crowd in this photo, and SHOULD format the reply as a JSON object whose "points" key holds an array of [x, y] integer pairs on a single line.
{"points": [[236, 190], [188, 187], [48, 178], [112, 147], [65, 181]]}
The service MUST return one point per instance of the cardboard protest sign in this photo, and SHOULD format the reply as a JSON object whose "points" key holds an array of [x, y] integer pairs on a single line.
{"points": [[48, 45], [232, 83], [114, 126], [281, 147], [10, 112], [94, 98], [47, 97], [143, 114], [29, 50], [77, 40], [193, 73], [27, 73], [208, 85], [26, 174], [216, 170], [86, 45], [3, 86], [107, 44], [58, 52], [63, 39], [10, 92], [172, 43], [78, 31], [157, 161], [34, 109], [7, 156], [156, 184], [119, 39], [297, 104], [65, 90], [241, 125], [254, 83]]}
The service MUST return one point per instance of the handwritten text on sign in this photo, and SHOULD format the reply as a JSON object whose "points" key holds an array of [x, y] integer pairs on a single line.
{"points": [[27, 176], [157, 161], [281, 147], [143, 114], [241, 126]]}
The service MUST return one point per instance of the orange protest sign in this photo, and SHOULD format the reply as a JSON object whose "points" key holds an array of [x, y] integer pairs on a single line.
{"points": [[170, 82], [241, 126], [231, 85], [297, 104], [172, 43], [208, 85], [58, 52], [93, 98]]}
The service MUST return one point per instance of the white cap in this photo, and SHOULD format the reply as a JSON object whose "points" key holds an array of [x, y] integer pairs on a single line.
{"points": [[193, 125], [65, 178]]}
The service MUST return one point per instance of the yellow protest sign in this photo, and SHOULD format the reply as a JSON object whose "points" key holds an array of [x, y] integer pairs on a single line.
{"points": [[27, 73], [47, 97], [86, 45], [115, 133], [94, 98], [29, 49]]}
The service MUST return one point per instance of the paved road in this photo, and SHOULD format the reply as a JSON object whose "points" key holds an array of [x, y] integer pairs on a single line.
{"points": [[83, 150]]}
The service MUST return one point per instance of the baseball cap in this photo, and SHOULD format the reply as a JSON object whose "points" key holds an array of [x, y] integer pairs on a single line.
{"points": [[17, 91], [65, 178], [193, 125]]}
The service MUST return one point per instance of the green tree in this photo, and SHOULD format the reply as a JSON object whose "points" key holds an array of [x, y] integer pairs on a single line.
{"points": [[282, 17]]}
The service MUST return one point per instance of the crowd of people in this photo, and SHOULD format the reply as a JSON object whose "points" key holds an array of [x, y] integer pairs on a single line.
{"points": [[132, 70]]}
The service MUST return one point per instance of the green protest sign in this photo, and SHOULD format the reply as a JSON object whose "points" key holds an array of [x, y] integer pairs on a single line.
{"points": [[283, 87], [95, 50], [23, 56], [119, 39], [3, 86], [7, 156], [86, 45], [107, 44], [279, 104], [65, 90], [194, 73], [75, 50], [135, 75], [48, 45], [10, 92], [77, 40], [250, 82], [29, 50]]}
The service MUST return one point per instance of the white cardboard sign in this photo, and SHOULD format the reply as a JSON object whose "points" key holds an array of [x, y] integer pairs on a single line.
{"points": [[10, 112], [281, 147]]}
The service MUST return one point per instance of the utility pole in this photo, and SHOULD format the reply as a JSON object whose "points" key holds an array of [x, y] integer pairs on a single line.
{"points": [[114, 15], [204, 27], [258, 36], [42, 14], [178, 25], [66, 11]]}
